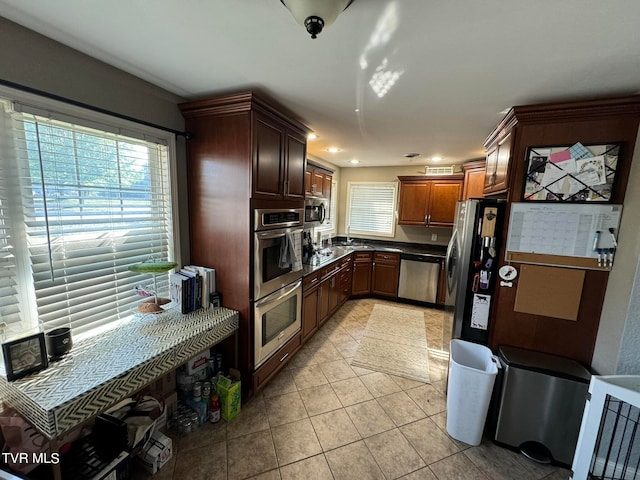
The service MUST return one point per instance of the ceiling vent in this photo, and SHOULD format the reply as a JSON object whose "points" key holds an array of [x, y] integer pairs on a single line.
{"points": [[438, 170]]}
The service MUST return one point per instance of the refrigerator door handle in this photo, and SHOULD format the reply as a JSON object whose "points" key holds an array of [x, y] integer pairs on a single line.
{"points": [[449, 261]]}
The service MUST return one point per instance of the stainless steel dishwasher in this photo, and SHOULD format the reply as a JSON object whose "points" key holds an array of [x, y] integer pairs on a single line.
{"points": [[419, 275]]}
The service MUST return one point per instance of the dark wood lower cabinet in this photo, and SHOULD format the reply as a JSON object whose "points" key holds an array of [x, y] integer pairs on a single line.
{"points": [[323, 302], [272, 366], [362, 265], [344, 283], [385, 274], [309, 313]]}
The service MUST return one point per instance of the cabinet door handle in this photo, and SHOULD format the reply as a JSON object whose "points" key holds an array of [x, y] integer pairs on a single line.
{"points": [[284, 356], [426, 219], [429, 219], [314, 280]]}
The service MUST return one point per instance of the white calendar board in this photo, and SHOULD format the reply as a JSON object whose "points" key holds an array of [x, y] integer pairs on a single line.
{"points": [[563, 229]]}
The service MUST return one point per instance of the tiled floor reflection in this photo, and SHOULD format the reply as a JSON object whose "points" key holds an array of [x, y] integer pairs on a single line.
{"points": [[320, 418]]}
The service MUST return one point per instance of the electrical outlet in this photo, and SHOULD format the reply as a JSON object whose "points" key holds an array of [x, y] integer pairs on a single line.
{"points": [[434, 237]]}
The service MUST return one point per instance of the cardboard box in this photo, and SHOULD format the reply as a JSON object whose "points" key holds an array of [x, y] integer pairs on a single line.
{"points": [[198, 363], [229, 391], [169, 409], [156, 453]]}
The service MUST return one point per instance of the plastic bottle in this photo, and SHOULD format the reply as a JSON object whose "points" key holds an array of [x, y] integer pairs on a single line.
{"points": [[214, 409]]}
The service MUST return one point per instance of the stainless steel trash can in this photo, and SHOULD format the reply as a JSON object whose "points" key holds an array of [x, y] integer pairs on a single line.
{"points": [[541, 404]]}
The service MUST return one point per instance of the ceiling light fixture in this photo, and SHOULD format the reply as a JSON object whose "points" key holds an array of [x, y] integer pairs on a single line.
{"points": [[354, 162], [436, 159], [312, 136], [333, 150], [314, 15]]}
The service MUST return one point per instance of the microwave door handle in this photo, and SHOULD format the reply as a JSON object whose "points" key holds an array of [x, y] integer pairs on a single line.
{"points": [[286, 292], [322, 212]]}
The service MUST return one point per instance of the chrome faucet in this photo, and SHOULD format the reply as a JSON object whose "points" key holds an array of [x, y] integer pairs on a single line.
{"points": [[348, 235]]}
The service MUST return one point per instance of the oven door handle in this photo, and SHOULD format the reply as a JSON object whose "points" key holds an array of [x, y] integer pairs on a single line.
{"points": [[277, 233], [281, 295]]}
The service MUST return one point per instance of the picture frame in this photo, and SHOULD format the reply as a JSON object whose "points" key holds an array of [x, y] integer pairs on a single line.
{"points": [[24, 356], [571, 173]]}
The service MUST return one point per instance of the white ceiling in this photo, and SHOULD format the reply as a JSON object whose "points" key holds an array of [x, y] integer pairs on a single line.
{"points": [[459, 63]]}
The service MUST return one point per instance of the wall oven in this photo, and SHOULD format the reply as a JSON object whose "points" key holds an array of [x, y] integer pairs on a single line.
{"points": [[277, 249], [315, 211], [277, 317]]}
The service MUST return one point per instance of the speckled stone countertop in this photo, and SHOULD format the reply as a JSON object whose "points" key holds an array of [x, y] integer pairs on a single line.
{"points": [[107, 368], [340, 250]]}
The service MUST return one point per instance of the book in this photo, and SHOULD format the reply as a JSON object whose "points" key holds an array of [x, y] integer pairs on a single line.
{"points": [[207, 284], [178, 290], [191, 289]]}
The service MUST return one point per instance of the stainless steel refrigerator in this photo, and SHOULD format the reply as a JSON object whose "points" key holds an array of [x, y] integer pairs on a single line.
{"points": [[471, 268]]}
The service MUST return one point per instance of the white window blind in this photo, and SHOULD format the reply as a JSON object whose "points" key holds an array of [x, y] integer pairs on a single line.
{"points": [[10, 299], [87, 204], [371, 208]]}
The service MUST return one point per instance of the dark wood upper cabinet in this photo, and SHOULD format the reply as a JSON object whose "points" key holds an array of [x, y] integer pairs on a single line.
{"points": [[429, 202], [268, 153], [496, 178], [318, 181], [295, 165], [279, 160], [474, 177]]}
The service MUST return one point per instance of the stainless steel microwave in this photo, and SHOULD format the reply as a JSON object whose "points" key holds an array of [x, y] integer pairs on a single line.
{"points": [[315, 211]]}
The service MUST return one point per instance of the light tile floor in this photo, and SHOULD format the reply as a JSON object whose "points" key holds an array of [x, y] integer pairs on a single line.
{"points": [[321, 419]]}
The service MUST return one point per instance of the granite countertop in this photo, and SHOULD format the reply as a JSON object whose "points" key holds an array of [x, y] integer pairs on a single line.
{"points": [[340, 249]]}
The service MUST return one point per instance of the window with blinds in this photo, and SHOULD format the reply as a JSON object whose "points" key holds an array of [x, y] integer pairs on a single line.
{"points": [[78, 206], [371, 208]]}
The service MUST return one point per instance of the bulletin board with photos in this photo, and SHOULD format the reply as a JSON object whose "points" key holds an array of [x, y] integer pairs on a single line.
{"points": [[573, 173]]}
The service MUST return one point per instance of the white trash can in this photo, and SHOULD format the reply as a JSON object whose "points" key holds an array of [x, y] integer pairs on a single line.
{"points": [[472, 373]]}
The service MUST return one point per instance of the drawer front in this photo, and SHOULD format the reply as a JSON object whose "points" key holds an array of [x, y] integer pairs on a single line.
{"points": [[311, 281], [345, 262], [386, 257], [329, 271], [363, 256], [275, 363]]}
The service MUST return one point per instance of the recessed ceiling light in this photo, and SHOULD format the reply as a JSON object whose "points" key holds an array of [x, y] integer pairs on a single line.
{"points": [[312, 136], [354, 162], [357, 110], [436, 159], [333, 150]]}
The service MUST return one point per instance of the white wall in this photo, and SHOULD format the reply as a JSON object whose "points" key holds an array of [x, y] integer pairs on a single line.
{"points": [[617, 349]]}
